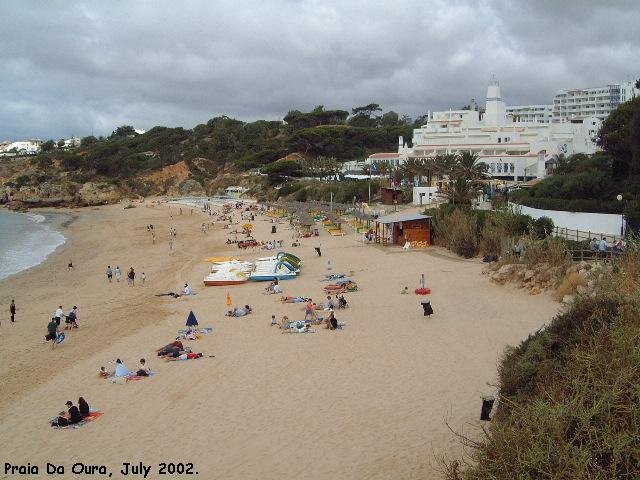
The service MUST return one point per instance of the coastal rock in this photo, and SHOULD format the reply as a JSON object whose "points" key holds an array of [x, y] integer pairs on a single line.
{"points": [[190, 186], [582, 290], [98, 193], [528, 275]]}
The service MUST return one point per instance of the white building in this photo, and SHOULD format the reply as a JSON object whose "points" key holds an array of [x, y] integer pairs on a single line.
{"points": [[594, 101], [531, 113], [512, 150], [26, 147]]}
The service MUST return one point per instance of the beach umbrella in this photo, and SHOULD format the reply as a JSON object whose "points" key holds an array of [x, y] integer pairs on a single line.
{"points": [[191, 320], [229, 302]]}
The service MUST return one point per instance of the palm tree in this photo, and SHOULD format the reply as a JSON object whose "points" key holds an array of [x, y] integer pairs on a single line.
{"points": [[461, 191], [468, 166]]}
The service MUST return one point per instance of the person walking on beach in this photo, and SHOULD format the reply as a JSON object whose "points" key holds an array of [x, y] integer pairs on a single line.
{"points": [[109, 273], [52, 332], [143, 277], [12, 311], [318, 247], [131, 277], [58, 315], [153, 238], [118, 274], [70, 266]]}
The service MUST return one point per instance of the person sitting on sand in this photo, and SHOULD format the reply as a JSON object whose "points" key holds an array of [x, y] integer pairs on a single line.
{"points": [[121, 369], [187, 289], [184, 356], [73, 414], [331, 322], [143, 369], [83, 406], [284, 323], [405, 290], [342, 302], [329, 305], [104, 373]]}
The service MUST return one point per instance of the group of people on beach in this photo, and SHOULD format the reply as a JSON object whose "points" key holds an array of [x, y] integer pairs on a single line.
{"points": [[71, 321], [131, 275], [74, 414]]}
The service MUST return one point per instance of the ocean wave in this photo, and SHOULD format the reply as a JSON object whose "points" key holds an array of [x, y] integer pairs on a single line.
{"points": [[29, 247], [36, 218]]}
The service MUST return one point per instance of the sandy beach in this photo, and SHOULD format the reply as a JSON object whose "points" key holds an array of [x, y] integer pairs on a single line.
{"points": [[367, 401]]}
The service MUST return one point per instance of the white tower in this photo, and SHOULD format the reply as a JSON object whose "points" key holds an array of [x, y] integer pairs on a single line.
{"points": [[495, 109]]}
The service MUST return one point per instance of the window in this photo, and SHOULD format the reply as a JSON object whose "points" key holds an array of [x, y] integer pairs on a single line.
{"points": [[499, 140], [512, 167]]}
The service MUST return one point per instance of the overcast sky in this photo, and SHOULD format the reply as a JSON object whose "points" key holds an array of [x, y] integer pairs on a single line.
{"points": [[78, 67]]}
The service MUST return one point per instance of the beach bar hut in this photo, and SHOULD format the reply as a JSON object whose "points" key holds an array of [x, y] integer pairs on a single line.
{"points": [[392, 196], [400, 228]]}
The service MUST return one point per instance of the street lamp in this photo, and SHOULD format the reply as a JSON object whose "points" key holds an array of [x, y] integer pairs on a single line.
{"points": [[619, 198]]}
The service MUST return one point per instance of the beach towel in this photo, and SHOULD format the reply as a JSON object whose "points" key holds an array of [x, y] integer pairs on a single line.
{"points": [[203, 330], [93, 415], [133, 377], [191, 320]]}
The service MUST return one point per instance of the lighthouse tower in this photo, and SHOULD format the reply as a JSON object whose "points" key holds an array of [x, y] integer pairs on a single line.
{"points": [[495, 108]]}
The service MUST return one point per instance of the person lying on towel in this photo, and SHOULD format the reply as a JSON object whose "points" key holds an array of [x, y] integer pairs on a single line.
{"points": [[293, 299], [183, 356], [176, 343], [239, 311]]}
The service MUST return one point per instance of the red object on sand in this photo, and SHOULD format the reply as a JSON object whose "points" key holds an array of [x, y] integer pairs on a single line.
{"points": [[423, 291]]}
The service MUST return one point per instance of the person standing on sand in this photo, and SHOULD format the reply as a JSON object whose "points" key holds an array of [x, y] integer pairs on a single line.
{"points": [[143, 277], [52, 332], [131, 277], [318, 247], [58, 315], [118, 274], [109, 273], [70, 266], [12, 311]]}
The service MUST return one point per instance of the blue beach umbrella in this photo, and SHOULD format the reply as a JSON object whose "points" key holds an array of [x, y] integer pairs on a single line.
{"points": [[191, 320]]}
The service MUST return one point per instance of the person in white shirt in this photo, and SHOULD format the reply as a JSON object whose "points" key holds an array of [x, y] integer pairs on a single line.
{"points": [[58, 315], [187, 289], [118, 274], [143, 369], [143, 277]]}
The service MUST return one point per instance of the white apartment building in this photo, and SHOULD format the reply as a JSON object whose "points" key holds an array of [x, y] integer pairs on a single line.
{"points": [[512, 150], [594, 101], [531, 113], [26, 147]]}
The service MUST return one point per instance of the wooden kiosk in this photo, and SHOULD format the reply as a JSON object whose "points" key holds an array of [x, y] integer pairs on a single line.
{"points": [[398, 229]]}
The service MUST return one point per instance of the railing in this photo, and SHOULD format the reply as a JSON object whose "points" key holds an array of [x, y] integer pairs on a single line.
{"points": [[582, 236], [579, 255]]}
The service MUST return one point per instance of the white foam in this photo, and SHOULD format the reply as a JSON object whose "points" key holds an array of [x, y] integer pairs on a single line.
{"points": [[33, 245]]}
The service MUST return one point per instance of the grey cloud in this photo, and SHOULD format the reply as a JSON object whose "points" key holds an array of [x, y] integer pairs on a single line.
{"points": [[86, 67]]}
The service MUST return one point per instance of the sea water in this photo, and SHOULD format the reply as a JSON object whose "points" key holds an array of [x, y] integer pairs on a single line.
{"points": [[26, 239]]}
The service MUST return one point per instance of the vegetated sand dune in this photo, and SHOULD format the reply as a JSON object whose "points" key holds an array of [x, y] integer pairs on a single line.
{"points": [[367, 401]]}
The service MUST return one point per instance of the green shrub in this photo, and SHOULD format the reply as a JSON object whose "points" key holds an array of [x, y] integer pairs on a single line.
{"points": [[542, 227]]}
